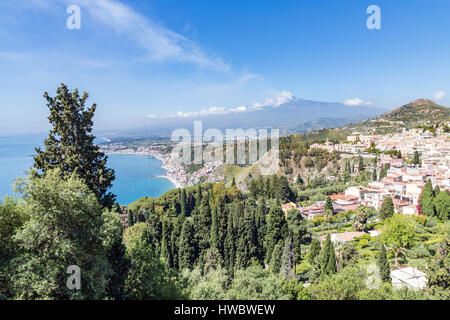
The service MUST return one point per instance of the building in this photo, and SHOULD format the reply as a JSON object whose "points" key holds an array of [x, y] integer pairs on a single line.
{"points": [[408, 277]]}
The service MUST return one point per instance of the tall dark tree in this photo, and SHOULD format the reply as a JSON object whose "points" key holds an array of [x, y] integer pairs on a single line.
{"points": [[130, 217], [284, 192], [70, 144], [314, 250], [187, 246], [247, 237], [331, 263], [416, 159], [276, 229], [387, 209], [260, 225], [383, 265], [360, 163], [374, 174], [229, 246], [214, 241], [426, 200]]}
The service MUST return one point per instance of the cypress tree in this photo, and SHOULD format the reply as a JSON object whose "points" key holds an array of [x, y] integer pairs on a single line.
{"points": [[288, 259], [260, 225], [426, 200], [383, 265], [374, 174], [276, 229], [183, 203], [331, 263], [328, 208], [361, 164], [70, 144], [229, 246], [387, 208], [314, 250], [187, 246], [325, 254], [416, 159], [277, 257], [215, 229], [247, 237], [130, 218]]}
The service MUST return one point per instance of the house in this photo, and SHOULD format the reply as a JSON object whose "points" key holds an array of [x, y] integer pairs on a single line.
{"points": [[408, 277], [288, 206]]}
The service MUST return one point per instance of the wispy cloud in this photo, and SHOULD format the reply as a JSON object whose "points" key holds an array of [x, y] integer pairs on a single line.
{"points": [[159, 42], [355, 102], [273, 102], [439, 95]]}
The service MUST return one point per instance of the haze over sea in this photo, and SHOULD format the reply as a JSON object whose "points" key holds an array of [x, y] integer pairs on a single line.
{"points": [[136, 175]]}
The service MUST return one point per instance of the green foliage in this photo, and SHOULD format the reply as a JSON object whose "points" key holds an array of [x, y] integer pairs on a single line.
{"points": [[65, 226], [70, 144], [438, 273], [399, 234], [276, 229], [314, 250], [387, 208], [442, 205], [383, 265], [254, 283], [426, 200]]}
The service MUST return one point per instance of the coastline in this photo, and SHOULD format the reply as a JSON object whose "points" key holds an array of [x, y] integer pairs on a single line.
{"points": [[170, 174]]}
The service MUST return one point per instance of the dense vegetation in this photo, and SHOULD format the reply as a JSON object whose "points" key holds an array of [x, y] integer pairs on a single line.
{"points": [[204, 242]]}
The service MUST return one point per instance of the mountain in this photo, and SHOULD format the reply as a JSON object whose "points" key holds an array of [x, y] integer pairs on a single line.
{"points": [[294, 116], [419, 111]]}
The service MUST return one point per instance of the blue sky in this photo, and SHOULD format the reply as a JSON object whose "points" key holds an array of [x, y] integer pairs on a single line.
{"points": [[159, 58]]}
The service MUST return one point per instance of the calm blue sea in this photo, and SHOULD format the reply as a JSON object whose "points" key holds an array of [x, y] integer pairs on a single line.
{"points": [[135, 174]]}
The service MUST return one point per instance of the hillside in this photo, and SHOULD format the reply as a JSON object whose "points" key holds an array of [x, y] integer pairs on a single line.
{"points": [[297, 159], [419, 111]]}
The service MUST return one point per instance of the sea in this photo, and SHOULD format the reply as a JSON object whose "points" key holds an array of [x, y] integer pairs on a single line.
{"points": [[136, 175]]}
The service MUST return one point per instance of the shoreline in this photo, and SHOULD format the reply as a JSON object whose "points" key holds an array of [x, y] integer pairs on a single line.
{"points": [[174, 179]]}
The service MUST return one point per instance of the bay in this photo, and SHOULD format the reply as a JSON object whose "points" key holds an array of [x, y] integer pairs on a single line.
{"points": [[136, 175]]}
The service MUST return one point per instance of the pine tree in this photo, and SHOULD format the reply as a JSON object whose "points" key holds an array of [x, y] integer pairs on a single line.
{"points": [[387, 209], [299, 180], [436, 191], [426, 200], [166, 248], [202, 225], [383, 265], [247, 237], [325, 254], [70, 144]]}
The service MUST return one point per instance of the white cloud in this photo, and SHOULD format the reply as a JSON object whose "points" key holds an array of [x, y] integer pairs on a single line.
{"points": [[151, 116], [357, 102], [159, 42], [439, 95], [280, 98]]}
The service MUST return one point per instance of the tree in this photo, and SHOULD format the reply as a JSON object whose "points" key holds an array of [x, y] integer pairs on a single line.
{"points": [[360, 219], [416, 159], [66, 226], [276, 229], [70, 144], [130, 218], [387, 208], [299, 180], [148, 278], [214, 242], [314, 250], [11, 219], [277, 257], [284, 192], [398, 234], [187, 246], [426, 200], [442, 205], [247, 237], [328, 210], [347, 255], [360, 164], [438, 274], [383, 265], [374, 174], [331, 263]]}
